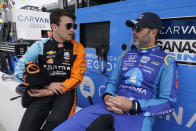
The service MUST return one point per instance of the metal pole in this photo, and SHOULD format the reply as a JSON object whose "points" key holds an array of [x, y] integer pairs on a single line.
{"points": [[88, 2], [77, 4], [65, 3], [60, 4]]}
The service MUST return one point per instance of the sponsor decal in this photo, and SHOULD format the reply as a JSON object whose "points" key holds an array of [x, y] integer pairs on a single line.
{"points": [[33, 19], [144, 59], [184, 51], [124, 68], [155, 62], [137, 89], [50, 61], [134, 77], [156, 56], [132, 58], [87, 87], [57, 67], [92, 63], [149, 68], [101, 89], [66, 55], [50, 56], [163, 112], [177, 38], [147, 71], [179, 117], [51, 52], [58, 73], [66, 62]]}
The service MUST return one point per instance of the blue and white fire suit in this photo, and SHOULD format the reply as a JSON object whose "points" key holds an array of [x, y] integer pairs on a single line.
{"points": [[148, 76]]}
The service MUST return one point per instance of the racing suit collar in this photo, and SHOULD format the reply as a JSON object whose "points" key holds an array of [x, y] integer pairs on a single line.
{"points": [[56, 42], [147, 50]]}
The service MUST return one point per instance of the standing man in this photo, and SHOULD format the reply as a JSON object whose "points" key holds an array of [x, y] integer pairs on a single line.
{"points": [[142, 87], [64, 60]]}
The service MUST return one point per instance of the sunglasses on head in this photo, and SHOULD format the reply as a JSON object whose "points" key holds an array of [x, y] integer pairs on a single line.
{"points": [[70, 25], [137, 28]]}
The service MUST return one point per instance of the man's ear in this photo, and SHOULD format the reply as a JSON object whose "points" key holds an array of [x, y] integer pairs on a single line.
{"points": [[53, 26], [154, 32]]}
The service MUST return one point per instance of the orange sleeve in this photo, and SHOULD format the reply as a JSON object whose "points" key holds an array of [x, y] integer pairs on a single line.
{"points": [[78, 68]]}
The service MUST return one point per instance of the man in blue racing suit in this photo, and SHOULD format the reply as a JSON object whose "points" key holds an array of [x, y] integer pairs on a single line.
{"points": [[142, 86]]}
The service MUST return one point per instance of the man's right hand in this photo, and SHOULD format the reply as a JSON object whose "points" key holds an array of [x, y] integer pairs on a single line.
{"points": [[56, 87], [112, 105]]}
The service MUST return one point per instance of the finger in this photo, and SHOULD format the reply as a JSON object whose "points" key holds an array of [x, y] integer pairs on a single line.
{"points": [[109, 108], [35, 90], [106, 97], [29, 92], [60, 89], [37, 95], [116, 110], [108, 104], [121, 97], [55, 91], [115, 102]]}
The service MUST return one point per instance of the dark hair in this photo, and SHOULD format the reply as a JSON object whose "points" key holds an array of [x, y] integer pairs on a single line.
{"points": [[56, 15]]}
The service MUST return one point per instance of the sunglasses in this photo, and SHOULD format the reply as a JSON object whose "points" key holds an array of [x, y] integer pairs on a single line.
{"points": [[70, 25], [137, 28]]}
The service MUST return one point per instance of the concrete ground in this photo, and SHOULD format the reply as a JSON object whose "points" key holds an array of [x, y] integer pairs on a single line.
{"points": [[10, 111]]}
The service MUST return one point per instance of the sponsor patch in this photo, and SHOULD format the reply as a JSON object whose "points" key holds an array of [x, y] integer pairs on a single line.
{"points": [[155, 62], [66, 55], [145, 59], [50, 61], [51, 52]]}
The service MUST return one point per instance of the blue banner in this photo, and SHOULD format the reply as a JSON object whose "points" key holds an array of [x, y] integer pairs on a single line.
{"points": [[181, 45], [179, 28]]}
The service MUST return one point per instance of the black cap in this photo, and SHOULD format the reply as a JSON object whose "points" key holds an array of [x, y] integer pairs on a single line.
{"points": [[148, 20]]}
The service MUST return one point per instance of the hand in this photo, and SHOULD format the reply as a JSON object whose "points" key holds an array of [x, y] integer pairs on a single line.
{"points": [[117, 104], [126, 104], [39, 92], [56, 87], [112, 105]]}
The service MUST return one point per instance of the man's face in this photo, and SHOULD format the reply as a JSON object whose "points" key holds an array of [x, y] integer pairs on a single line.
{"points": [[141, 37], [61, 31]]}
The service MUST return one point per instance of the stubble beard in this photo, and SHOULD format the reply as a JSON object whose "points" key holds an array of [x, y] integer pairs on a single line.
{"points": [[144, 41]]}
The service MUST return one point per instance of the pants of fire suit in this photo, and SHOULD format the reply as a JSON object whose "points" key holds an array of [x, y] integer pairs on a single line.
{"points": [[51, 109], [83, 119]]}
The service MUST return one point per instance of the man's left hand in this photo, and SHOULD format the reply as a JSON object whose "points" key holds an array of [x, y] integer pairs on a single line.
{"points": [[39, 92]]}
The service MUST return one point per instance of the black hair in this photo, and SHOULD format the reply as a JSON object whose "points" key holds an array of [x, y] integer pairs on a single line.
{"points": [[56, 15]]}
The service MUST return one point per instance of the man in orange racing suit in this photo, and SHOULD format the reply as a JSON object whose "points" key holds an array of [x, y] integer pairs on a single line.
{"points": [[64, 60]]}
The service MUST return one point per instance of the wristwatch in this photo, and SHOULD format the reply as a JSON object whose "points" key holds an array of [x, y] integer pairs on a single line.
{"points": [[135, 109]]}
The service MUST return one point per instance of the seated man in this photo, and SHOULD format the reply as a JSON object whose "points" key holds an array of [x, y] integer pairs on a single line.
{"points": [[142, 87], [53, 101]]}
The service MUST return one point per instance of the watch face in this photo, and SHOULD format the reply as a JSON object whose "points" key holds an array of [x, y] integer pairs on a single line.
{"points": [[135, 108]]}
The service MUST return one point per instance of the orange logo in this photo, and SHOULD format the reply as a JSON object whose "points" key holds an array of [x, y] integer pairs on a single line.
{"points": [[50, 61]]}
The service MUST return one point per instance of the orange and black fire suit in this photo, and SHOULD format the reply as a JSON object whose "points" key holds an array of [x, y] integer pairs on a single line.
{"points": [[66, 63]]}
